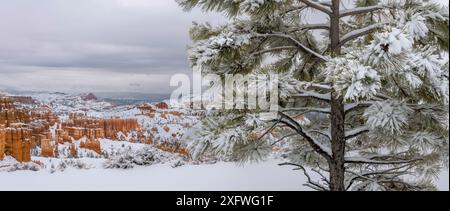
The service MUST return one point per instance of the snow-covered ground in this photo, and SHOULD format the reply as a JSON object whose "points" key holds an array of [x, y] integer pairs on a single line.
{"points": [[265, 176], [221, 176]]}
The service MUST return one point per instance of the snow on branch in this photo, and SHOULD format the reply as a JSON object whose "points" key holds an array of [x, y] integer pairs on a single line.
{"points": [[317, 6], [359, 10], [294, 125], [399, 170], [298, 43], [311, 27], [320, 86], [326, 3], [283, 138], [309, 110], [315, 95], [427, 108], [353, 106], [378, 160], [359, 32], [324, 134], [356, 132], [269, 50], [293, 10]]}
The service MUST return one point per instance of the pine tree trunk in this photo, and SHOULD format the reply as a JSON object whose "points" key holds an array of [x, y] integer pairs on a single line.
{"points": [[334, 28], [337, 162]]}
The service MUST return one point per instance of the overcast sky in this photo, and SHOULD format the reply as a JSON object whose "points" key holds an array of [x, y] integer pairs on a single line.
{"points": [[94, 45]]}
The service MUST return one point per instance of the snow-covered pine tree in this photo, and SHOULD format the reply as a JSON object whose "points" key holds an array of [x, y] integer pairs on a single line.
{"points": [[364, 93]]}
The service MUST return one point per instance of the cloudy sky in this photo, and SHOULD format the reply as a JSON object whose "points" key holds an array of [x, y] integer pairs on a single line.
{"points": [[94, 45]]}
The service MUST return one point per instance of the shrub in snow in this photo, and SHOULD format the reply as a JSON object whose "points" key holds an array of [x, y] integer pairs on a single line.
{"points": [[178, 163], [130, 158], [24, 167], [52, 169], [62, 166], [77, 164], [122, 161]]}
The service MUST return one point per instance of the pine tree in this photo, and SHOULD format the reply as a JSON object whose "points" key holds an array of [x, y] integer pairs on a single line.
{"points": [[364, 95]]}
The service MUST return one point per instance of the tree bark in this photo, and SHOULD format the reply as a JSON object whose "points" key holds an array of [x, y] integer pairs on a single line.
{"points": [[334, 28], [337, 163]]}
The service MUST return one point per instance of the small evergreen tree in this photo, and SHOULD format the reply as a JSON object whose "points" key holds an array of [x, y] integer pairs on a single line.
{"points": [[364, 95]]}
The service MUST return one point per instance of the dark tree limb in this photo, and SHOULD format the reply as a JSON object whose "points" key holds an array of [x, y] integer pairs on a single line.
{"points": [[317, 6]]}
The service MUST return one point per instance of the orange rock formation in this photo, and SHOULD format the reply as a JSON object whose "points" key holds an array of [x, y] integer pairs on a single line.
{"points": [[2, 143], [16, 143], [23, 99], [162, 106], [92, 144], [173, 148], [79, 126], [73, 150], [6, 103], [47, 148], [21, 130]]}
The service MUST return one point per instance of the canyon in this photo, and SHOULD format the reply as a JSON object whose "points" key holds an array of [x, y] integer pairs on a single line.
{"points": [[24, 129], [62, 126]]}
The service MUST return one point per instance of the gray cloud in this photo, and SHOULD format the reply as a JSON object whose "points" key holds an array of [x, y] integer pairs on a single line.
{"points": [[94, 45], [87, 38]]}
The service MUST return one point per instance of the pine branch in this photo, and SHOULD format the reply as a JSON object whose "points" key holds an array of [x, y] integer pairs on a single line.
{"points": [[356, 132], [269, 130], [326, 3], [293, 10], [315, 95], [351, 180], [311, 27], [284, 137], [364, 160], [272, 50], [320, 86], [359, 33], [317, 6], [311, 183], [428, 108], [359, 10], [400, 87], [294, 125], [309, 110], [353, 106], [324, 178], [321, 133], [298, 43]]}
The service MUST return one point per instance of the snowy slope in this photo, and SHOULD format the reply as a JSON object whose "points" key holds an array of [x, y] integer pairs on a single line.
{"points": [[217, 177]]}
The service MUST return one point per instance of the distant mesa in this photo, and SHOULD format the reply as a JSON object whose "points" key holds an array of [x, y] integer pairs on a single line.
{"points": [[89, 97]]}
